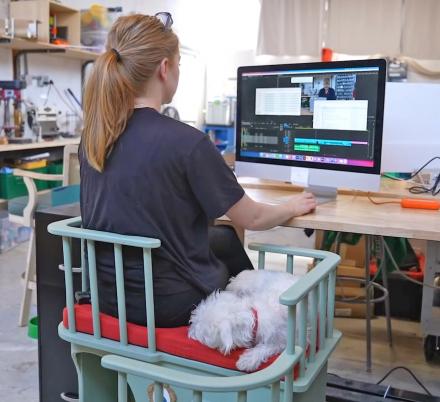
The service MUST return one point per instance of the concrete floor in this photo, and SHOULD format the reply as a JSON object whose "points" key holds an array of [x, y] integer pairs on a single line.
{"points": [[18, 353], [19, 358]]}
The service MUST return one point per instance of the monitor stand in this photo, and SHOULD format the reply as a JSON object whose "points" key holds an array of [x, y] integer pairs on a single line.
{"points": [[323, 194]]}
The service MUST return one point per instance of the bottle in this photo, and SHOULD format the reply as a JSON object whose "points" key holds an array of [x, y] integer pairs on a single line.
{"points": [[18, 121]]}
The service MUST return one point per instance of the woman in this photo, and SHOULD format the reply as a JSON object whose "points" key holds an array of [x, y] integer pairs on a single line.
{"points": [[145, 174], [327, 91]]}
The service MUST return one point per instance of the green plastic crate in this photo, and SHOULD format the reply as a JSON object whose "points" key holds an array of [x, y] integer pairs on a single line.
{"points": [[55, 168], [13, 186]]}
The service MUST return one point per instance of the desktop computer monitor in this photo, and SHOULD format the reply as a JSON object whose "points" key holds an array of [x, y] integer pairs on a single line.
{"points": [[314, 124]]}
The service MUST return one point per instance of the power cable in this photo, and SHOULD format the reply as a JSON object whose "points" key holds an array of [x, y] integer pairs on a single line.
{"points": [[410, 372]]}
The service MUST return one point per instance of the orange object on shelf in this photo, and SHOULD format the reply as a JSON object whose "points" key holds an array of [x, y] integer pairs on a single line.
{"points": [[326, 54]]}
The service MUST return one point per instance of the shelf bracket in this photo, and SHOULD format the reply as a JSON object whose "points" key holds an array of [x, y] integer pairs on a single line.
{"points": [[24, 53]]}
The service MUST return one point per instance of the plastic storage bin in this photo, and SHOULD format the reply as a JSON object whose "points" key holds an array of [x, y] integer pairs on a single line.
{"points": [[95, 24], [55, 168], [13, 186]]}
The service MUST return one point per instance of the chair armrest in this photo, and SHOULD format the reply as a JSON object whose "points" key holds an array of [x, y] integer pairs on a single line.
{"points": [[299, 290], [37, 176], [241, 382], [28, 178], [295, 251]]}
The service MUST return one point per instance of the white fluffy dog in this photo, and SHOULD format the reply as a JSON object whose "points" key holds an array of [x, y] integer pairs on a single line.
{"points": [[246, 315]]}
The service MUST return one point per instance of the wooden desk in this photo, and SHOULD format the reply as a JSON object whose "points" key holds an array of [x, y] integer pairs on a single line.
{"points": [[388, 188], [355, 213]]}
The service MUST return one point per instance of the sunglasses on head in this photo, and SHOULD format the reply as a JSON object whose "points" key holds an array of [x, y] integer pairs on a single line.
{"points": [[165, 18]]}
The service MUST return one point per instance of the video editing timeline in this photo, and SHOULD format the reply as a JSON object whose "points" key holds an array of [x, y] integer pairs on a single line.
{"points": [[324, 116]]}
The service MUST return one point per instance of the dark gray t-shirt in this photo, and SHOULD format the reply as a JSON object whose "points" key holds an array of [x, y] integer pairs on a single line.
{"points": [[165, 180]]}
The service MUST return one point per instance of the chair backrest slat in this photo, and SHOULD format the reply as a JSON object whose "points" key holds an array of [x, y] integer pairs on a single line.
{"points": [[261, 259], [291, 329], [289, 266], [322, 312], [149, 300], [84, 269], [331, 303], [91, 253], [68, 278], [313, 313], [120, 292], [302, 333]]}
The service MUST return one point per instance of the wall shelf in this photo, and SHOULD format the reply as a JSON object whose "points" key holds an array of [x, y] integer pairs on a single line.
{"points": [[69, 52], [61, 8]]}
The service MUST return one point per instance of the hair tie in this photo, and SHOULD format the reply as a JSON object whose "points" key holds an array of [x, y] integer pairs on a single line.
{"points": [[117, 54]]}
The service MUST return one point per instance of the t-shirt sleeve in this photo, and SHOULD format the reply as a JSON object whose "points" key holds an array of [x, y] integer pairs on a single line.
{"points": [[212, 181]]}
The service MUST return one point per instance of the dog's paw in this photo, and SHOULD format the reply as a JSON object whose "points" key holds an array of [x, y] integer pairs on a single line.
{"points": [[249, 360]]}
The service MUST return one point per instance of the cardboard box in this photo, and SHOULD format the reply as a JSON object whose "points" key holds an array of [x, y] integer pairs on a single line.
{"points": [[353, 266], [349, 310]]}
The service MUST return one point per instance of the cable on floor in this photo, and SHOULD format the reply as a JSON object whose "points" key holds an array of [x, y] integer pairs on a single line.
{"points": [[410, 372]]}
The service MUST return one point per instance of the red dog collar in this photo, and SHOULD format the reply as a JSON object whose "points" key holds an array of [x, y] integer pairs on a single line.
{"points": [[255, 328]]}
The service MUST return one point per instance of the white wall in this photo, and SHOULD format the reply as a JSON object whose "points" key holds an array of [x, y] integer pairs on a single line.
{"points": [[5, 64], [226, 33]]}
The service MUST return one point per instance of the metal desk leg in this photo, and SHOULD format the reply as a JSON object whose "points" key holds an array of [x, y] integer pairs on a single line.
{"points": [[387, 300], [367, 299]]}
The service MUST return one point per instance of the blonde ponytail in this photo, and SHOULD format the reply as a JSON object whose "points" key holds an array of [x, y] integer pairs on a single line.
{"points": [[136, 45]]}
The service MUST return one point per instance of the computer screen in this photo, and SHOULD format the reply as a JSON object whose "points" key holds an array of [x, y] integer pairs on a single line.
{"points": [[315, 115]]}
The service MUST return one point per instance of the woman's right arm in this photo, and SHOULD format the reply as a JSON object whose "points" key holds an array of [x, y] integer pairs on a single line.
{"points": [[253, 215]]}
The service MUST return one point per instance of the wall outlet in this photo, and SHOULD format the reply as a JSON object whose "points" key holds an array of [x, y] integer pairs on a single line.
{"points": [[42, 80]]}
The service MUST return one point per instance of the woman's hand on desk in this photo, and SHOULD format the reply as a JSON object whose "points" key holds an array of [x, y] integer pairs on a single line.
{"points": [[303, 203], [253, 215]]}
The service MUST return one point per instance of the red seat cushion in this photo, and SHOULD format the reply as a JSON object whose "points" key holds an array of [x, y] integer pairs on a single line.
{"points": [[173, 341]]}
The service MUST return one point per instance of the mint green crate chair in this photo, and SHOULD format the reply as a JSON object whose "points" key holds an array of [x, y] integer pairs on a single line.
{"points": [[128, 372]]}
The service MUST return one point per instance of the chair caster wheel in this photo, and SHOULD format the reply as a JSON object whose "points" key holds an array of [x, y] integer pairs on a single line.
{"points": [[431, 347]]}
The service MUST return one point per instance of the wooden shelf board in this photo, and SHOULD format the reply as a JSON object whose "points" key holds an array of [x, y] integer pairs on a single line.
{"points": [[56, 7], [24, 44], [39, 145]]}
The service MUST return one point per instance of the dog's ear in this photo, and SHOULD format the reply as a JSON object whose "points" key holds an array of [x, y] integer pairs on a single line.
{"points": [[227, 342]]}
